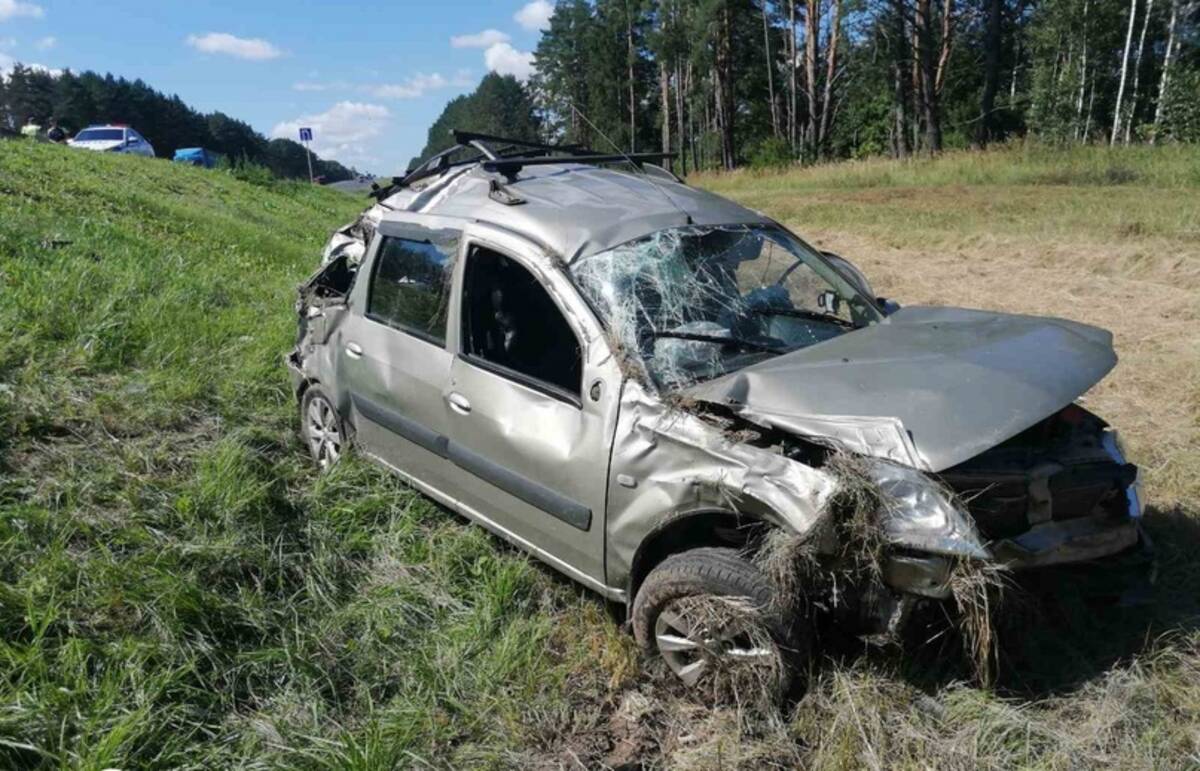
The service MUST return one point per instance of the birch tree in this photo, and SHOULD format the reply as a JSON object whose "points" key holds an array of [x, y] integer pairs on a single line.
{"points": [[1164, 80], [1137, 71], [1116, 129]]}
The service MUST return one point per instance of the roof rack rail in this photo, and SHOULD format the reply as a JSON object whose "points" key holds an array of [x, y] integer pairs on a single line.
{"points": [[510, 166], [506, 156], [465, 138]]}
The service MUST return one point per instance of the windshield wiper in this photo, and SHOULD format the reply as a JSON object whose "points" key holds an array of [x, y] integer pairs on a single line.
{"points": [[801, 313], [748, 345]]}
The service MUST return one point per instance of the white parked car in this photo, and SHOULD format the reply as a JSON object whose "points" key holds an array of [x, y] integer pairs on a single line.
{"points": [[112, 138]]}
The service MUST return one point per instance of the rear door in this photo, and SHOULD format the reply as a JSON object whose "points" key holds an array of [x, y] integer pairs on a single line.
{"points": [[393, 361], [532, 400]]}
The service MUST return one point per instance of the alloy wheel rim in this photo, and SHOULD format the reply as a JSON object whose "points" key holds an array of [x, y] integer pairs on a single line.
{"points": [[691, 650], [324, 438]]}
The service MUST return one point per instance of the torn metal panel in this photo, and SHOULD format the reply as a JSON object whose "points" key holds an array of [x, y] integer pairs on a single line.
{"points": [[958, 381], [667, 462], [878, 437], [1073, 540], [351, 241]]}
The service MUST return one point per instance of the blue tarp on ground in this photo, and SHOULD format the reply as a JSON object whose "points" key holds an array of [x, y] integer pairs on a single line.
{"points": [[197, 156]]}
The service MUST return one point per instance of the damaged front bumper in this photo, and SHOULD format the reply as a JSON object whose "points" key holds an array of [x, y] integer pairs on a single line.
{"points": [[1119, 562], [1070, 541], [1110, 541], [1119, 554]]}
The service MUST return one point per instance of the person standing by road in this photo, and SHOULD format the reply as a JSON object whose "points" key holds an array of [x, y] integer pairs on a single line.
{"points": [[31, 128], [55, 132]]}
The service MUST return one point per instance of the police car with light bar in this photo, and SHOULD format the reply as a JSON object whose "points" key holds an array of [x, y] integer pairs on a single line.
{"points": [[112, 138]]}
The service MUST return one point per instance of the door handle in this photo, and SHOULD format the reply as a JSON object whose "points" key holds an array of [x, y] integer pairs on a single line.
{"points": [[354, 350], [458, 403]]}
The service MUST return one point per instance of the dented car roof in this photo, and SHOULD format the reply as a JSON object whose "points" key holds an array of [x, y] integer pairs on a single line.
{"points": [[573, 210]]}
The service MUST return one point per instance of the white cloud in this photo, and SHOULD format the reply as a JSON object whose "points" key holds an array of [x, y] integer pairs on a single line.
{"points": [[7, 63], [488, 37], [410, 88], [316, 85], [502, 58], [340, 131], [12, 9], [535, 15], [255, 49], [8, 42], [46, 43]]}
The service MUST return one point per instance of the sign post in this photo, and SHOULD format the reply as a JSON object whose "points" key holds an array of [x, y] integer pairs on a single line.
{"points": [[306, 137]]}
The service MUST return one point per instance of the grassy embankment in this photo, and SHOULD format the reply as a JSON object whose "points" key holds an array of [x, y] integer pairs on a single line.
{"points": [[178, 589]]}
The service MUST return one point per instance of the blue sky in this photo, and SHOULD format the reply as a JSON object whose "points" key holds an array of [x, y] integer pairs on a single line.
{"points": [[369, 77]]}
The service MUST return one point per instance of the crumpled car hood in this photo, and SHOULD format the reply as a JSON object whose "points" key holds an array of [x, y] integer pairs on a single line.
{"points": [[929, 387]]}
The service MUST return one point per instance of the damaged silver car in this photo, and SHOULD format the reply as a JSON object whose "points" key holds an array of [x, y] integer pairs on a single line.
{"points": [[639, 382]]}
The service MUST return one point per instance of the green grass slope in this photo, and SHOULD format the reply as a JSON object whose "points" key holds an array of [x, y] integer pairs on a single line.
{"points": [[179, 590], [176, 589]]}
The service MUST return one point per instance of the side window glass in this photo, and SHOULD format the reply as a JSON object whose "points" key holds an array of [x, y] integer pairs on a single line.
{"points": [[410, 287], [510, 320]]}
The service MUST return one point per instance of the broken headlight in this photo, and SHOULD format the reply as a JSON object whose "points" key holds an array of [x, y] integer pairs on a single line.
{"points": [[920, 514]]}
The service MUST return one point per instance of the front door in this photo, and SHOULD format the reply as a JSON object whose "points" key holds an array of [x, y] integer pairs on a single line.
{"points": [[532, 399]]}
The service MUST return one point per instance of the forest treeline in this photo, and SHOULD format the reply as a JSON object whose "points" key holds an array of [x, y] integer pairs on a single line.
{"points": [[729, 82], [83, 99], [723, 83]]}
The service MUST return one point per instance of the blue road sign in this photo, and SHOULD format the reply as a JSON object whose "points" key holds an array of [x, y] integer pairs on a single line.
{"points": [[305, 135]]}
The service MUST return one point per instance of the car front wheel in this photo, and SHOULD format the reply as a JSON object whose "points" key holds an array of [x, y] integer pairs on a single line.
{"points": [[711, 617], [322, 428]]}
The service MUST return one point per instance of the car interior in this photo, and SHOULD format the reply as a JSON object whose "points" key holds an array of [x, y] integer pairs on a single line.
{"points": [[508, 319]]}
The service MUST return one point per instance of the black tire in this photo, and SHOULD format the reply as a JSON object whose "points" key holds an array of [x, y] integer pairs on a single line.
{"points": [[716, 573], [322, 428]]}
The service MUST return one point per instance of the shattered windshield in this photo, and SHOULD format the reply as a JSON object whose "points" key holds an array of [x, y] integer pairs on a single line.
{"points": [[697, 302]]}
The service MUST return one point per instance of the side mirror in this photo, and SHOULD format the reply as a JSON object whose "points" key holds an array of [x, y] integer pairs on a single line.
{"points": [[851, 273]]}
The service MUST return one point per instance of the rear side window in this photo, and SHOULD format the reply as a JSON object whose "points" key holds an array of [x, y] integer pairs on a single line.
{"points": [[410, 287]]}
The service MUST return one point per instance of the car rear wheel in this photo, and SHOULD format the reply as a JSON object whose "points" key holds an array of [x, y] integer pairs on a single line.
{"points": [[322, 428], [712, 618]]}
